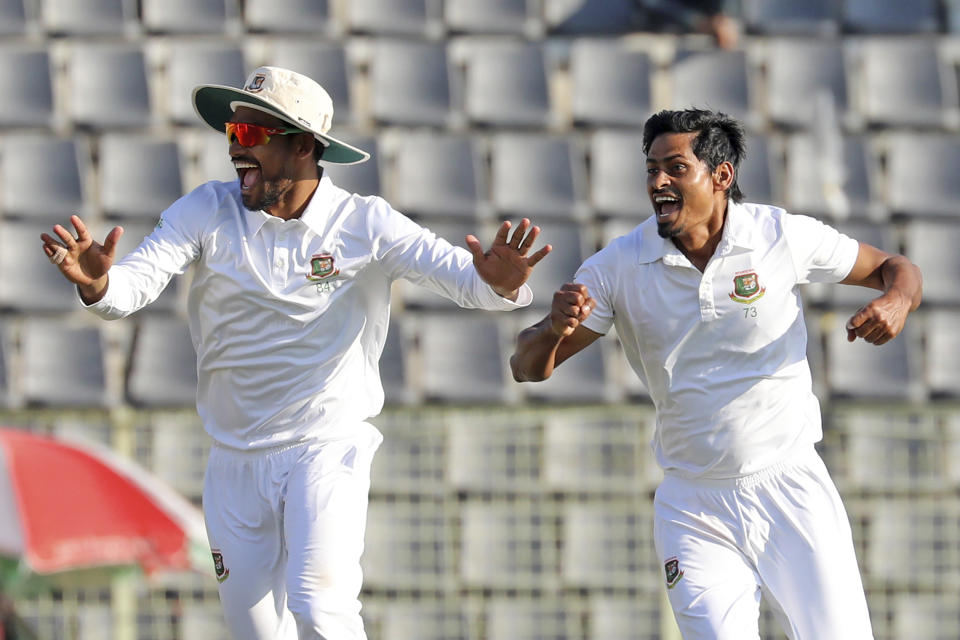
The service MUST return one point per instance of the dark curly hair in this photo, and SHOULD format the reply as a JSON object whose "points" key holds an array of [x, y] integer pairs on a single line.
{"points": [[720, 138]]}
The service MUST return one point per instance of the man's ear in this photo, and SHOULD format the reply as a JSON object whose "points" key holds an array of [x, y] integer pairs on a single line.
{"points": [[723, 176], [304, 145]]}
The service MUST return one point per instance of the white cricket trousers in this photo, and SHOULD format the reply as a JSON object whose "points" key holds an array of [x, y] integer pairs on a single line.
{"points": [[286, 529], [782, 532]]}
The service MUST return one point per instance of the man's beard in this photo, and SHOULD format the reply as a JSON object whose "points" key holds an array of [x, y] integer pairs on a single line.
{"points": [[668, 230], [272, 193]]}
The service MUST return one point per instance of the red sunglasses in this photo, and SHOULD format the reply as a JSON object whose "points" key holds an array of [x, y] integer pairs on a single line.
{"points": [[251, 135]]}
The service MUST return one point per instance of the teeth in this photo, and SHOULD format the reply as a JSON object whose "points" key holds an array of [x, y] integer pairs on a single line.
{"points": [[243, 164], [665, 199]]}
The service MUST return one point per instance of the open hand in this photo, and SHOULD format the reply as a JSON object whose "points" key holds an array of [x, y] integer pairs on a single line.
{"points": [[85, 261], [505, 266]]}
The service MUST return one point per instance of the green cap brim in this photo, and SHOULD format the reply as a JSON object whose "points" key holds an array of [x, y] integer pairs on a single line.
{"points": [[212, 104]]}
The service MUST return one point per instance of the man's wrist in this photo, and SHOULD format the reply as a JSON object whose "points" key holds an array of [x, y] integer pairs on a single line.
{"points": [[93, 293]]}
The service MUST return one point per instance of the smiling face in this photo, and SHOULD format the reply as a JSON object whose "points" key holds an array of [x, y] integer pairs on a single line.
{"points": [[269, 171], [688, 198], [680, 185]]}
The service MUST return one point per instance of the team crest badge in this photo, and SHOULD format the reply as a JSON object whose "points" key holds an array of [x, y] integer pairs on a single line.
{"points": [[222, 572], [256, 83], [672, 569], [321, 267], [746, 287]]}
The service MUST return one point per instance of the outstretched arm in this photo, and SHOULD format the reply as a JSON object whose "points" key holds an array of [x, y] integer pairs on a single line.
{"points": [[505, 266], [558, 336], [82, 260], [884, 317]]}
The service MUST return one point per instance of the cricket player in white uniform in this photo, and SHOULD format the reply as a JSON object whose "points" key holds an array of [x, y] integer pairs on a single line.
{"points": [[704, 297], [288, 309]]}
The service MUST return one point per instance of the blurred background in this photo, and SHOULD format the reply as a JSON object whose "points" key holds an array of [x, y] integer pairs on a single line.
{"points": [[498, 511]]}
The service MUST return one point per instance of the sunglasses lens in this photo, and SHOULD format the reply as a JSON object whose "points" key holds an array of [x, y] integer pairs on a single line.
{"points": [[248, 135]]}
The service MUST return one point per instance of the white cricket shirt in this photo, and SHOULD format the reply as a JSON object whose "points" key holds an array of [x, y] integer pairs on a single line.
{"points": [[289, 318], [723, 352]]}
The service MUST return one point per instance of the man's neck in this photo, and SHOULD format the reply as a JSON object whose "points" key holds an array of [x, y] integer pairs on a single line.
{"points": [[700, 245], [294, 202]]}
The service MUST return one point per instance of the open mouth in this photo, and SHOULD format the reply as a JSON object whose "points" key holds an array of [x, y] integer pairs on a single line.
{"points": [[248, 172], [667, 205]]}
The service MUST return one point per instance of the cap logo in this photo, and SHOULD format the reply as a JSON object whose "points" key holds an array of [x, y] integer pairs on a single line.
{"points": [[256, 83]]}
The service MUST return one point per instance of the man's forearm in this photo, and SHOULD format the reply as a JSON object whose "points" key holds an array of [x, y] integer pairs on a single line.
{"points": [[536, 352], [93, 292], [902, 276]]}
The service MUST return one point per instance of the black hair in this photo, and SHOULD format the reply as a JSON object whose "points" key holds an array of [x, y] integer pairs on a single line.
{"points": [[719, 139]]}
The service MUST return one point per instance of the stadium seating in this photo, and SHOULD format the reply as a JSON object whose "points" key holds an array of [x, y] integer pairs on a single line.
{"points": [[582, 453], [609, 544], [28, 67], [13, 18], [908, 448], [537, 176], [363, 179], [942, 347], [904, 84], [139, 176], [438, 176], [308, 17], [895, 372], [69, 359], [529, 619], [831, 177], [88, 17], [616, 159], [509, 17], [189, 64], [30, 283], [716, 80], [610, 84], [798, 69], [789, 18], [929, 243], [189, 16], [420, 620], [504, 546], [163, 364], [409, 83], [409, 544], [108, 86], [394, 17], [457, 370], [495, 459], [43, 178], [629, 618], [890, 16], [506, 85], [924, 531], [499, 510]]}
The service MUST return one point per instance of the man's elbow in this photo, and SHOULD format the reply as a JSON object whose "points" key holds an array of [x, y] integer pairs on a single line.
{"points": [[522, 375]]}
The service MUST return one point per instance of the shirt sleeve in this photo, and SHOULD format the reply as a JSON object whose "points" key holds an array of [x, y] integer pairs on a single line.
{"points": [[406, 250], [820, 253], [140, 277], [594, 274]]}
